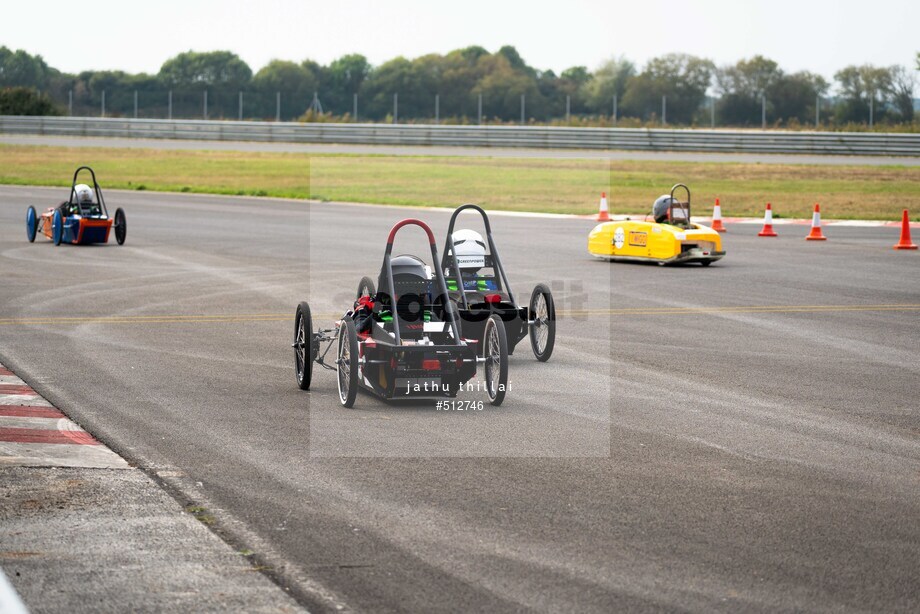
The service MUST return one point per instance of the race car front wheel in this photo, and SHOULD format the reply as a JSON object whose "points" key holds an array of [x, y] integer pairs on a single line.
{"points": [[303, 346], [31, 224], [57, 227], [347, 362], [543, 322], [121, 226], [495, 352]]}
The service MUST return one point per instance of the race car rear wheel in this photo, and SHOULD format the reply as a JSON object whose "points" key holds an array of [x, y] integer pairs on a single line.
{"points": [[303, 346], [495, 352], [121, 226], [366, 287], [543, 317], [347, 363], [31, 224], [57, 227]]}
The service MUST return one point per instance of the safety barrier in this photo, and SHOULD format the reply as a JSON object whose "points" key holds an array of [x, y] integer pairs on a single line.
{"points": [[729, 141]]}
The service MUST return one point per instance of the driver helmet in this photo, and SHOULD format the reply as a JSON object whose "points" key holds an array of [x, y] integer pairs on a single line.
{"points": [[662, 208], [84, 193], [471, 249], [410, 276]]}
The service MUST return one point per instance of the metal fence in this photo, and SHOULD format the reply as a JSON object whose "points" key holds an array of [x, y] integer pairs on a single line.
{"points": [[223, 103], [753, 141], [183, 104]]}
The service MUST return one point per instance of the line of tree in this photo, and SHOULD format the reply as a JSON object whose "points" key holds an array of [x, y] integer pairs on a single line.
{"points": [[460, 78]]}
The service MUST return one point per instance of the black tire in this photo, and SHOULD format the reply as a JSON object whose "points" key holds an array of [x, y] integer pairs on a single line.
{"points": [[495, 367], [57, 227], [121, 226], [31, 224], [705, 262], [543, 330], [347, 363], [303, 346], [365, 287]]}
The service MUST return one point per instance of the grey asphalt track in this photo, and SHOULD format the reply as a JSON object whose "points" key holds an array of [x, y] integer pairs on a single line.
{"points": [[489, 152], [742, 437]]}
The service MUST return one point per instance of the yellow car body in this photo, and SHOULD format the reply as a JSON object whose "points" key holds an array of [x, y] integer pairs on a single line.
{"points": [[653, 242]]}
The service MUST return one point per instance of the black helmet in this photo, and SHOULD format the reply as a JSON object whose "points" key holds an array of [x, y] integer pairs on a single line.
{"points": [[662, 208], [410, 276]]}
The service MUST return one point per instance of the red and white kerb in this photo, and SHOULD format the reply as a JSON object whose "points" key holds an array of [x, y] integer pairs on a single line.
{"points": [[34, 433]]}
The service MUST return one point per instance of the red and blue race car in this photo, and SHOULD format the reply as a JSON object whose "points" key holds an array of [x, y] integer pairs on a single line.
{"points": [[81, 219]]}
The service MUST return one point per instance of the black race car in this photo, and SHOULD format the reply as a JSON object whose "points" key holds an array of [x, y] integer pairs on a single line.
{"points": [[479, 287], [403, 340]]}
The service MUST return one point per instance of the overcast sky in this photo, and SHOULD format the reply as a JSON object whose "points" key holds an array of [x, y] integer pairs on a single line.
{"points": [[821, 36]]}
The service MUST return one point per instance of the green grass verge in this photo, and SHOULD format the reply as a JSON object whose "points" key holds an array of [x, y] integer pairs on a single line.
{"points": [[517, 184]]}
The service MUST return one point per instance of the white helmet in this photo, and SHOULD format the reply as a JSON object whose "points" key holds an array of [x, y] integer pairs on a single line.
{"points": [[84, 193], [471, 249]]}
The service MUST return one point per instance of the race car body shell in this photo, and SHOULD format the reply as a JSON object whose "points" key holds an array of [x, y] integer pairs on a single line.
{"points": [[652, 242], [78, 230]]}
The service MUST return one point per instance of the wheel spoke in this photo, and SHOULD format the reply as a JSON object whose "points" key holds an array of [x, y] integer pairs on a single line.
{"points": [[299, 350], [541, 318], [494, 349], [542, 334], [344, 366]]}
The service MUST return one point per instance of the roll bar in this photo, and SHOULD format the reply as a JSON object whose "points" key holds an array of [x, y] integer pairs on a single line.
{"points": [[409, 222], [686, 209], [96, 188], [449, 248], [388, 269]]}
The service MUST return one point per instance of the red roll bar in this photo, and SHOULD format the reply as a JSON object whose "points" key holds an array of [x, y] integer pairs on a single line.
{"points": [[410, 222]]}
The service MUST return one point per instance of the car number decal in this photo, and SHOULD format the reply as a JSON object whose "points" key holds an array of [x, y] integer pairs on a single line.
{"points": [[639, 239]]}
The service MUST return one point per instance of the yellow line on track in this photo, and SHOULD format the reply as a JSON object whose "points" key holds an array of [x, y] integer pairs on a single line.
{"points": [[278, 317], [269, 317], [652, 311]]}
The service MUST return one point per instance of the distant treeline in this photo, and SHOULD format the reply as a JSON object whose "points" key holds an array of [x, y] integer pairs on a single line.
{"points": [[471, 83]]}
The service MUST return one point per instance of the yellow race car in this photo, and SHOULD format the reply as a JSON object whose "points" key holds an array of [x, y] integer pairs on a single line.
{"points": [[670, 239]]}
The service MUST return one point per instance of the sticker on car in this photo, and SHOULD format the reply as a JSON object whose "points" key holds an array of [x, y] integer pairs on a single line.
{"points": [[638, 239]]}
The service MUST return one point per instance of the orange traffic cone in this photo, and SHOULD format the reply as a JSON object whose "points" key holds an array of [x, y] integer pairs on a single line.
{"points": [[717, 218], [767, 223], [905, 242], [815, 234], [603, 215]]}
